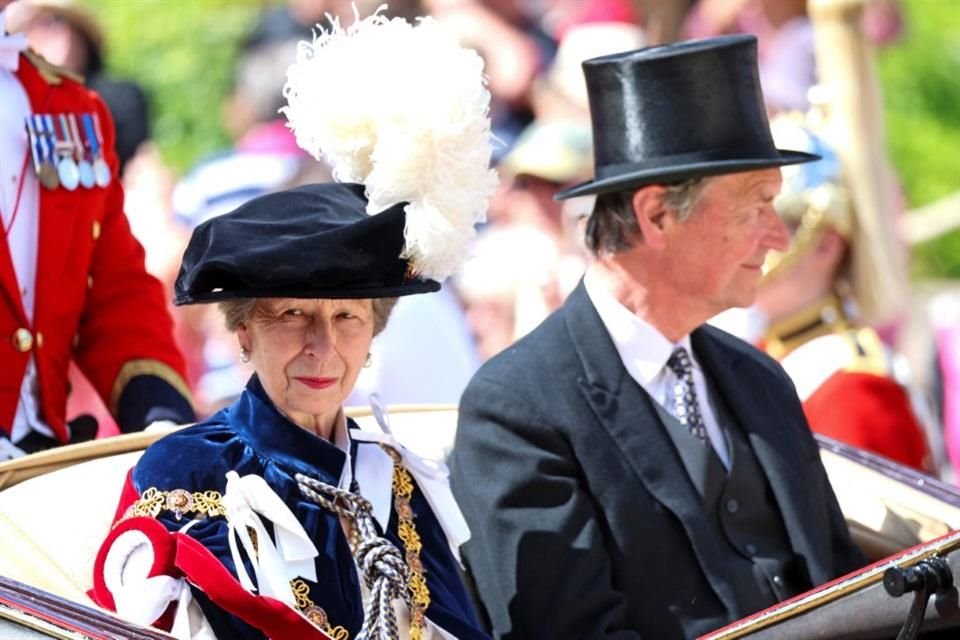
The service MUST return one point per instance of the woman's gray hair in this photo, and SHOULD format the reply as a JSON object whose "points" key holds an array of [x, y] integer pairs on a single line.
{"points": [[612, 226], [382, 308], [239, 311], [236, 312]]}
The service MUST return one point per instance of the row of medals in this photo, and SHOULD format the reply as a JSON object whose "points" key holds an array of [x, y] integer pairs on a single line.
{"points": [[66, 155]]}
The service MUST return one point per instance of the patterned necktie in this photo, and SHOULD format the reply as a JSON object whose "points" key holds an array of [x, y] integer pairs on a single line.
{"points": [[685, 406]]}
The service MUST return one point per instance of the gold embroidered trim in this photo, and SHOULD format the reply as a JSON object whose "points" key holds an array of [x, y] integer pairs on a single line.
{"points": [[145, 367], [179, 501], [419, 591], [314, 613], [209, 504]]}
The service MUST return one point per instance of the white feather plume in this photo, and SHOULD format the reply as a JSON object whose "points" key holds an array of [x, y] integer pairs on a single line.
{"points": [[403, 109]]}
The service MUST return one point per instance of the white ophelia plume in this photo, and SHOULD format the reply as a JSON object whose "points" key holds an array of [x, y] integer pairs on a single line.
{"points": [[402, 109]]}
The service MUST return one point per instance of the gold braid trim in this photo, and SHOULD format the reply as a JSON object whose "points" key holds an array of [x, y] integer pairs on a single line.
{"points": [[314, 613], [146, 367], [51, 73], [823, 317], [419, 591], [178, 501]]}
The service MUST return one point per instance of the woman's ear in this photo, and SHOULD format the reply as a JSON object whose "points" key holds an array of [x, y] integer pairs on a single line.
{"points": [[651, 215], [243, 336]]}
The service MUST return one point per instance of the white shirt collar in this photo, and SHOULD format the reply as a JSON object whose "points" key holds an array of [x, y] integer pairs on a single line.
{"points": [[644, 352], [341, 440], [642, 348], [373, 470]]}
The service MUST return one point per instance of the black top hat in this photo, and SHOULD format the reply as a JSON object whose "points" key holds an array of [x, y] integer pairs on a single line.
{"points": [[678, 111], [315, 241]]}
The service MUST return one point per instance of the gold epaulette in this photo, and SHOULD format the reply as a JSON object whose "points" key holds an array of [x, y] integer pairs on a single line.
{"points": [[50, 72], [868, 353], [824, 317]]}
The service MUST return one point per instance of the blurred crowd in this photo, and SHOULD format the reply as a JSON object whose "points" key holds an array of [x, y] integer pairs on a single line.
{"points": [[528, 256]]}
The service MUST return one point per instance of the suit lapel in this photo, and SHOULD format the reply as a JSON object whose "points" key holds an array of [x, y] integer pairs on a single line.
{"points": [[761, 419], [629, 417]]}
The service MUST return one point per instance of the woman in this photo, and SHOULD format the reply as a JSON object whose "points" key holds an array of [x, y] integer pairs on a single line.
{"points": [[270, 488], [278, 517]]}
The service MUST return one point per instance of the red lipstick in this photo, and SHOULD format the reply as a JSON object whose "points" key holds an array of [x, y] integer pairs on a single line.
{"points": [[316, 383]]}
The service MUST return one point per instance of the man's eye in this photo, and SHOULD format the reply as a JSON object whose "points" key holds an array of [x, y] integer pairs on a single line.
{"points": [[293, 312]]}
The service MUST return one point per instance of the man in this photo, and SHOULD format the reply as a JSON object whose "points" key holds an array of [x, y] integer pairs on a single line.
{"points": [[811, 296], [72, 276], [626, 471], [68, 34]]}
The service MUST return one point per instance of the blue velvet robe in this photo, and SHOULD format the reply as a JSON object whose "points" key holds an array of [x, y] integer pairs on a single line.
{"points": [[252, 437]]}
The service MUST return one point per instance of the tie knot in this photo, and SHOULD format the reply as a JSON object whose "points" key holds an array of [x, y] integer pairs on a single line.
{"points": [[679, 363]]}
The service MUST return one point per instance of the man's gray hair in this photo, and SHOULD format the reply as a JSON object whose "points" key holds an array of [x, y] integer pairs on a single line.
{"points": [[239, 311], [612, 226]]}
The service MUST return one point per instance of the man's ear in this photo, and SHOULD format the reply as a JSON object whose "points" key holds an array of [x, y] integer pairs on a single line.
{"points": [[651, 214]]}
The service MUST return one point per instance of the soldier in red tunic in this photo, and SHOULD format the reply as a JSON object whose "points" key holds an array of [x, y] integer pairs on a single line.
{"points": [[72, 280], [814, 296]]}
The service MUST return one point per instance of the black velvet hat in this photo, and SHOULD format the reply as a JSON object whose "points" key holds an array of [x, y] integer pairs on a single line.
{"points": [[315, 241], [678, 111]]}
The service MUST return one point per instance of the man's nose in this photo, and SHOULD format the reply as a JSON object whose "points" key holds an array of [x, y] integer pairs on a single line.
{"points": [[777, 235]]}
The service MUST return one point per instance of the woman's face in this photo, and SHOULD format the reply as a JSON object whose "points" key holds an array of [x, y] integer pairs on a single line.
{"points": [[308, 354]]}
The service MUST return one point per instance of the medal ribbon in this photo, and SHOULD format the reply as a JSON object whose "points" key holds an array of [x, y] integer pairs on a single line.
{"points": [[93, 136], [75, 131], [68, 139], [51, 130], [43, 141]]}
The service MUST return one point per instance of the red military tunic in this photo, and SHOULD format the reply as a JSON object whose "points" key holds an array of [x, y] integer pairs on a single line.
{"points": [[845, 381], [869, 411], [95, 302]]}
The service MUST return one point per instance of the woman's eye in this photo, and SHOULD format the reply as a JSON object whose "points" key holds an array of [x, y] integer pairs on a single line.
{"points": [[293, 312]]}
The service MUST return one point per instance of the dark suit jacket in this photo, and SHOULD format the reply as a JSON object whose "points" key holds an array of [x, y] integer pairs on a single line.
{"points": [[585, 523]]}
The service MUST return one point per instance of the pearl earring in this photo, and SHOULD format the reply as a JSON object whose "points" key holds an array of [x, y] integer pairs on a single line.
{"points": [[244, 355]]}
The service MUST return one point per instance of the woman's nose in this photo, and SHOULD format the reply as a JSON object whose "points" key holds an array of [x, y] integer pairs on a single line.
{"points": [[319, 340]]}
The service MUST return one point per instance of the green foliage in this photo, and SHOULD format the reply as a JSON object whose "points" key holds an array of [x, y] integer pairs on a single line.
{"points": [[921, 82], [181, 52]]}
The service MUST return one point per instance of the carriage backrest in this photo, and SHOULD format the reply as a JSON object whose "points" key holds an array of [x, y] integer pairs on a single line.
{"points": [[57, 510]]}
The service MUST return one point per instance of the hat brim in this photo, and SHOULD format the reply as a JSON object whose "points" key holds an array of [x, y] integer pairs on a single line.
{"points": [[667, 173], [73, 13], [396, 291]]}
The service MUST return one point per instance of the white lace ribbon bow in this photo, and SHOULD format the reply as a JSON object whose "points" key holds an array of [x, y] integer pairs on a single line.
{"points": [[245, 500]]}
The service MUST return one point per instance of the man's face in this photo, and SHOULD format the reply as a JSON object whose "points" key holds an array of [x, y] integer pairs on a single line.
{"points": [[713, 259]]}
